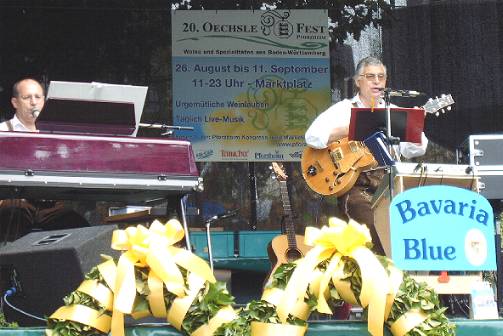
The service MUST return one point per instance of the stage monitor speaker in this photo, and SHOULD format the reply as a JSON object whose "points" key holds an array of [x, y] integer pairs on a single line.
{"points": [[46, 266]]}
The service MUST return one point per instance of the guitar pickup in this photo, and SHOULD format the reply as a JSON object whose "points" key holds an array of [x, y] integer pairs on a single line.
{"points": [[336, 155], [353, 146], [314, 169], [311, 170]]}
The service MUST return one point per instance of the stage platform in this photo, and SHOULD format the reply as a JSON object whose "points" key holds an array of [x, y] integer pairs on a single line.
{"points": [[331, 328]]}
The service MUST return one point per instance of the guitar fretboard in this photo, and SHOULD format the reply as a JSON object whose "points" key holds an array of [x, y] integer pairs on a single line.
{"points": [[287, 209]]}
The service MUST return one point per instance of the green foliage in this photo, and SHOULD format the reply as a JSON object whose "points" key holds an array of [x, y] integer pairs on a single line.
{"points": [[263, 311], [5, 324], [280, 279], [256, 310], [207, 303], [349, 17], [413, 295], [70, 328], [79, 298], [94, 274], [282, 275], [353, 275]]}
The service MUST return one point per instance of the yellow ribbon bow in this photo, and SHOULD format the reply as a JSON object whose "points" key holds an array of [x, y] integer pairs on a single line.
{"points": [[153, 248], [331, 243]]}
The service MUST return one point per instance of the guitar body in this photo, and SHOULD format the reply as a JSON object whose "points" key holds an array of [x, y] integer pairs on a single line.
{"points": [[335, 169], [280, 252]]}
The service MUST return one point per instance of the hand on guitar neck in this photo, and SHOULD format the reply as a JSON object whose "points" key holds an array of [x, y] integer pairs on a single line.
{"points": [[287, 247]]}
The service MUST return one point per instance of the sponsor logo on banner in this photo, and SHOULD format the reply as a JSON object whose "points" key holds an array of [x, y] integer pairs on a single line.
{"points": [[276, 156], [204, 155], [234, 154], [296, 155], [442, 228]]}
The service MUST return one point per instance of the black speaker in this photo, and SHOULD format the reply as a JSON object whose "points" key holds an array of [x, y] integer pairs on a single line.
{"points": [[46, 266]]}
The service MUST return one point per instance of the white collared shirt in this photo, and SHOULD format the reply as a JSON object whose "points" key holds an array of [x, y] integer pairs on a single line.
{"points": [[17, 125]]}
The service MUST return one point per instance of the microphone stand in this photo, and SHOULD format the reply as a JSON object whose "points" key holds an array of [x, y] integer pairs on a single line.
{"points": [[166, 129], [208, 223], [391, 139], [387, 94]]}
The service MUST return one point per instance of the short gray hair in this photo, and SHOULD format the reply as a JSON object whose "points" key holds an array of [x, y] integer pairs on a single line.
{"points": [[370, 60]]}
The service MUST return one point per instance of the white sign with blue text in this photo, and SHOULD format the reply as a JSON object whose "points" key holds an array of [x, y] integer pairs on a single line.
{"points": [[249, 82], [442, 228]]}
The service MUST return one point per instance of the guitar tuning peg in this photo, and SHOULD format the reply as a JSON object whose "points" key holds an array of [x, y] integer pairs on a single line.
{"points": [[449, 108], [437, 114]]}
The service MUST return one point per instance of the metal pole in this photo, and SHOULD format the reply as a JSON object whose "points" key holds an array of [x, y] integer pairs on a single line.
{"points": [[208, 240], [387, 104], [499, 265], [184, 220], [253, 196]]}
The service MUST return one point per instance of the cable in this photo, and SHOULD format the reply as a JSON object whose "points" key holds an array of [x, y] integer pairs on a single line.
{"points": [[460, 303], [470, 170], [11, 292]]}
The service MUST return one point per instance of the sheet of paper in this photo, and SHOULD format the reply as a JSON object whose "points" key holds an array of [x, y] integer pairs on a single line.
{"points": [[483, 303]]}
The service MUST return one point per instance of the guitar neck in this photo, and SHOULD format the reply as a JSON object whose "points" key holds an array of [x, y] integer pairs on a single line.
{"points": [[287, 209]]}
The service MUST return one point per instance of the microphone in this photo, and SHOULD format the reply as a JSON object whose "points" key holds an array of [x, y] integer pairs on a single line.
{"points": [[228, 214], [402, 93], [35, 113], [224, 215]]}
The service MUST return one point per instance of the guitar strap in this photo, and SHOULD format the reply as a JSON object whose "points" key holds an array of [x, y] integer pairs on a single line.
{"points": [[9, 126]]}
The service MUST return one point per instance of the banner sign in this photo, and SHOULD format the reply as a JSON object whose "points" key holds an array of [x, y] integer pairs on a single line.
{"points": [[249, 82], [442, 228]]}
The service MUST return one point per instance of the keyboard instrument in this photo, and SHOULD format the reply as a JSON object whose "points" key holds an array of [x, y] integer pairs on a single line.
{"points": [[91, 167]]}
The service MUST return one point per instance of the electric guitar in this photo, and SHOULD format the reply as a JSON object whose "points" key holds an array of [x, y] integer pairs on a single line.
{"points": [[335, 169], [289, 246]]}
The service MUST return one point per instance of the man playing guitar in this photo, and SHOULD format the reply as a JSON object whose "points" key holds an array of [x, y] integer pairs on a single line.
{"points": [[333, 125]]}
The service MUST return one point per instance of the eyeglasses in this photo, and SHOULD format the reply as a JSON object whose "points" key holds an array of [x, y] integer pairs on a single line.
{"points": [[30, 97], [373, 77]]}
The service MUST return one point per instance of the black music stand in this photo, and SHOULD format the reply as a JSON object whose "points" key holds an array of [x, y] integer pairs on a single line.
{"points": [[87, 117], [406, 123], [398, 123]]}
